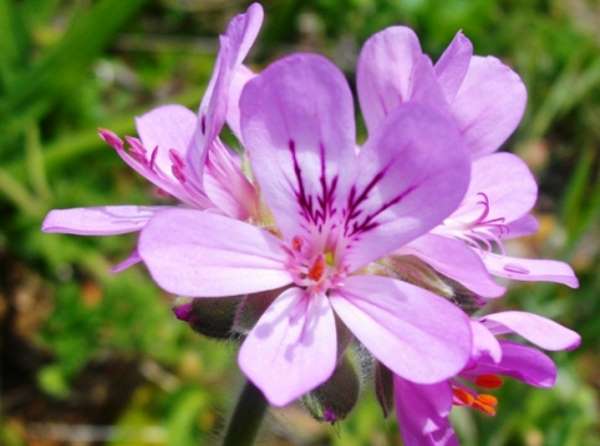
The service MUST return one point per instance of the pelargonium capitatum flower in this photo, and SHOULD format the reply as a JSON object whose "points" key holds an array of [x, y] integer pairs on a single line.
{"points": [[335, 212], [487, 100], [423, 410], [180, 152]]}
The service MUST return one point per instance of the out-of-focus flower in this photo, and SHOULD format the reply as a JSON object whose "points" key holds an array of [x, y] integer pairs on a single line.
{"points": [[487, 100], [423, 410], [180, 152], [335, 212]]}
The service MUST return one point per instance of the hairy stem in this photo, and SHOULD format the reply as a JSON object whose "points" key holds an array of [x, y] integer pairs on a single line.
{"points": [[247, 417]]}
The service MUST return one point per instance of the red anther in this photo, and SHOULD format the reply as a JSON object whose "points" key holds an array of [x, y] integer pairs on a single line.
{"points": [[316, 271], [489, 381], [463, 396], [297, 243]]}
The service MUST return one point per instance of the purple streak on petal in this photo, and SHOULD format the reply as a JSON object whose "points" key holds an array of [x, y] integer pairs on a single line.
{"points": [[526, 364], [133, 259], [101, 220], [111, 138], [530, 270], [456, 260], [201, 254], [489, 104], [538, 330], [452, 66], [423, 412], [413, 332], [301, 139], [292, 348], [413, 173]]}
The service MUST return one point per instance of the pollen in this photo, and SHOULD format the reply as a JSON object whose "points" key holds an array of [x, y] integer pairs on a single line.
{"points": [[486, 403], [489, 381], [463, 396], [297, 243], [317, 270]]}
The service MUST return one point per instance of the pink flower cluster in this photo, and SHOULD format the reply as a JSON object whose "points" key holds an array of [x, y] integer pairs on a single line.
{"points": [[338, 237]]}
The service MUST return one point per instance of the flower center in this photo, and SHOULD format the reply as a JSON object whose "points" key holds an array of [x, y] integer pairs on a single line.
{"points": [[312, 268]]}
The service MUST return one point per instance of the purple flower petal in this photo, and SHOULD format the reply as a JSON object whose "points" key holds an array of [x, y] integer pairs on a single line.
{"points": [[452, 66], [133, 259], [530, 270], [413, 174], [456, 260], [524, 226], [101, 220], [489, 104], [538, 330], [384, 74], [292, 348], [485, 343], [200, 254], [423, 412], [241, 76], [508, 185], [526, 364], [298, 126], [234, 46], [416, 334]]}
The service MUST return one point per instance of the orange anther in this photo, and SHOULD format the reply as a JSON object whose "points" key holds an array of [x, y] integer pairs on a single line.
{"points": [[485, 408], [463, 396], [488, 399], [316, 271], [489, 381]]}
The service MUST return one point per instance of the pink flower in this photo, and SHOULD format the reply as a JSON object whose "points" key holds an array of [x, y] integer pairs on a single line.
{"points": [[180, 152], [423, 410], [487, 100], [330, 213]]}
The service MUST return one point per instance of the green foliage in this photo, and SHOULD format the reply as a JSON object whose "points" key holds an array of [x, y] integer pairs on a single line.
{"points": [[67, 68]]}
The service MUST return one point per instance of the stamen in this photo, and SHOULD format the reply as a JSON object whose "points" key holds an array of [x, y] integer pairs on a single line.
{"points": [[463, 396], [297, 243], [489, 381], [111, 138], [316, 271]]}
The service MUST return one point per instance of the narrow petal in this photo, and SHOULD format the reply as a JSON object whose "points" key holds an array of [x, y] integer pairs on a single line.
{"points": [[524, 226], [505, 183], [384, 74], [416, 334], [530, 270], [101, 220], [200, 254], [489, 104], [454, 259], [423, 412], [485, 343], [241, 76], [452, 66], [298, 126], [233, 48], [413, 174], [292, 348], [526, 364], [541, 331], [133, 259]]}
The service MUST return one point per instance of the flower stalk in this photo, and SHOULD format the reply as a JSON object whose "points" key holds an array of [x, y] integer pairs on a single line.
{"points": [[247, 417]]}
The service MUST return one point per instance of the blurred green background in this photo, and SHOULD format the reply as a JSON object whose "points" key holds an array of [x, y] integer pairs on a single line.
{"points": [[89, 357]]}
